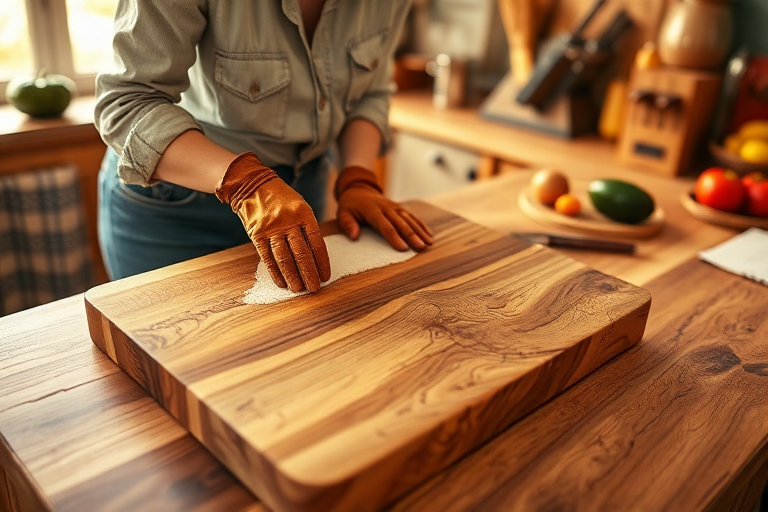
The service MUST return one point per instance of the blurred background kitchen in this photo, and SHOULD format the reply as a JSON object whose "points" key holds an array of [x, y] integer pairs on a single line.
{"points": [[484, 87]]}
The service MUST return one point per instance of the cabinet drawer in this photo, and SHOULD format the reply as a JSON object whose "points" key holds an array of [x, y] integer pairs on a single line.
{"points": [[421, 167]]}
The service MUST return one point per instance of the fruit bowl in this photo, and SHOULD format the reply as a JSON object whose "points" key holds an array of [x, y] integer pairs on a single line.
{"points": [[719, 217], [589, 220], [728, 160]]}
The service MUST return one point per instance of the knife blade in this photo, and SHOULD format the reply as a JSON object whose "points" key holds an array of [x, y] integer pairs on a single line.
{"points": [[577, 242]]}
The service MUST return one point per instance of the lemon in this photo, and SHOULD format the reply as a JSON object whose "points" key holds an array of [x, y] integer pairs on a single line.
{"points": [[754, 151], [732, 143], [757, 129]]}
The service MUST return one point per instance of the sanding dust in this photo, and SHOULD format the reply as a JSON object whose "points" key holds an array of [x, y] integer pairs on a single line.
{"points": [[370, 251]]}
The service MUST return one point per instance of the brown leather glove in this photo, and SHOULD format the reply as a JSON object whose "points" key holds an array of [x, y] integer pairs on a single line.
{"points": [[361, 200], [280, 223]]}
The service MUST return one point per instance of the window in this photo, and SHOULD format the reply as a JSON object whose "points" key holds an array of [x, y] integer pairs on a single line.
{"points": [[90, 34], [68, 37], [15, 43]]}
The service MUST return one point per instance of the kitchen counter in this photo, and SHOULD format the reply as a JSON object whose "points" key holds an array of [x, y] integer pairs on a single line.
{"points": [[493, 203], [504, 146], [412, 112], [678, 422]]}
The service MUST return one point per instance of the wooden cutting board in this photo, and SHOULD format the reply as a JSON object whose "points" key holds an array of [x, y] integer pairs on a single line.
{"points": [[344, 399]]}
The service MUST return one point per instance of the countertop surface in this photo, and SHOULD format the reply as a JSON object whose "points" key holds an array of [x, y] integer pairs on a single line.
{"points": [[412, 112], [678, 422]]}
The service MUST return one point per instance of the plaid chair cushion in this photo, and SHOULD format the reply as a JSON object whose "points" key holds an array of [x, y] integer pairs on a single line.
{"points": [[44, 252]]}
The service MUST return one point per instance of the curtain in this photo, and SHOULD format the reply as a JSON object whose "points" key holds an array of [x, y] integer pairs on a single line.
{"points": [[44, 251]]}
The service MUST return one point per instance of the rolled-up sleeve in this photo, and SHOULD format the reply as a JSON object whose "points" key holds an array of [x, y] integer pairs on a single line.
{"points": [[136, 111], [373, 105]]}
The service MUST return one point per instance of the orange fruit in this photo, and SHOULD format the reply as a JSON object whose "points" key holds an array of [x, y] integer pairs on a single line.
{"points": [[568, 204]]}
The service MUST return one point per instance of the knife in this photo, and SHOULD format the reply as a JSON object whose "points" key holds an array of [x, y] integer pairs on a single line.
{"points": [[576, 242], [588, 63], [554, 64]]}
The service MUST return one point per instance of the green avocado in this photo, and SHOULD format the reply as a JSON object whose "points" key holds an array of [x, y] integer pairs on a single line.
{"points": [[621, 201], [41, 96]]}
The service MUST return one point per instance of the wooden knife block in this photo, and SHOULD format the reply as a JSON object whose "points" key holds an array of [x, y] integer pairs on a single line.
{"points": [[666, 141]]}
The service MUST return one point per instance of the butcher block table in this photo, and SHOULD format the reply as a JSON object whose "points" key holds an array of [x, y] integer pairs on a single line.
{"points": [[345, 399], [679, 421]]}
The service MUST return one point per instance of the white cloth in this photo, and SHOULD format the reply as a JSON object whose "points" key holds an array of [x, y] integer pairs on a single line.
{"points": [[369, 251], [745, 254]]}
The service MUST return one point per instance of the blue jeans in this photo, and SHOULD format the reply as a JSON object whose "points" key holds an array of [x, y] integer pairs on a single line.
{"points": [[144, 228]]}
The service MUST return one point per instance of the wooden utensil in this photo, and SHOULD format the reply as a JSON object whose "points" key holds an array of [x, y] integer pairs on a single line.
{"points": [[344, 399], [519, 20]]}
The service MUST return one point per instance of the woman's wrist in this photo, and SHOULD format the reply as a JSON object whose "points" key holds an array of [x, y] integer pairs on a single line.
{"points": [[355, 176], [194, 161]]}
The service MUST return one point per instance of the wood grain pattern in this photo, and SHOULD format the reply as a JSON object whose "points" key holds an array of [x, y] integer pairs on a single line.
{"points": [[9, 502], [78, 434], [678, 422], [344, 399], [48, 347]]}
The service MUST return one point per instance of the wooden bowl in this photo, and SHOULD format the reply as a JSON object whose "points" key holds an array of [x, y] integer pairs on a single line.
{"points": [[721, 218], [734, 162], [589, 219]]}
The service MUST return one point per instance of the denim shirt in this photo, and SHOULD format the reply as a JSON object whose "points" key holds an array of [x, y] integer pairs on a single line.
{"points": [[243, 72]]}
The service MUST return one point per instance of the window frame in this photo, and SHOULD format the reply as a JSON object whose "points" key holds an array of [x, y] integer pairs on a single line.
{"points": [[51, 45]]}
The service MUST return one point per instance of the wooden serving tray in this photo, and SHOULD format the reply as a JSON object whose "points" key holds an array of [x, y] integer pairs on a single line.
{"points": [[589, 220], [719, 217], [344, 399]]}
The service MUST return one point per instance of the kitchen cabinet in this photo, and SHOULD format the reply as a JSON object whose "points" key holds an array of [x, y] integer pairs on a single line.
{"points": [[27, 144], [500, 147], [420, 167]]}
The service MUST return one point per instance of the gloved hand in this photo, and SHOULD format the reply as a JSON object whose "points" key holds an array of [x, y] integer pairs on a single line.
{"points": [[361, 200], [280, 223]]}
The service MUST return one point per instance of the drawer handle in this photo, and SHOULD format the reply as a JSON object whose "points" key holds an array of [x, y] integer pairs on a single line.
{"points": [[435, 158]]}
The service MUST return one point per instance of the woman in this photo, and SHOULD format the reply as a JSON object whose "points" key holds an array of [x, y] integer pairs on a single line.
{"points": [[222, 106]]}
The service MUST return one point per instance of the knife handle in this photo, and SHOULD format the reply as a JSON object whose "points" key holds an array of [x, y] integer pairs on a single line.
{"points": [[591, 243], [578, 33]]}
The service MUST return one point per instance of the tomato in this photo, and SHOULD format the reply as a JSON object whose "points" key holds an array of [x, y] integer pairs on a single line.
{"points": [[757, 194], [547, 185], [721, 189]]}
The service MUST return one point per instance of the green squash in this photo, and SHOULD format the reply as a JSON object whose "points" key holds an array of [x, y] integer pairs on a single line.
{"points": [[621, 201], [41, 96]]}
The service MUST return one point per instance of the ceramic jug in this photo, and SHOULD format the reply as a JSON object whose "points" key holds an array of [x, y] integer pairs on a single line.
{"points": [[696, 34]]}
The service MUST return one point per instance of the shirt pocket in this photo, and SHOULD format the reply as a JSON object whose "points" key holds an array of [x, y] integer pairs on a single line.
{"points": [[255, 93], [366, 55]]}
